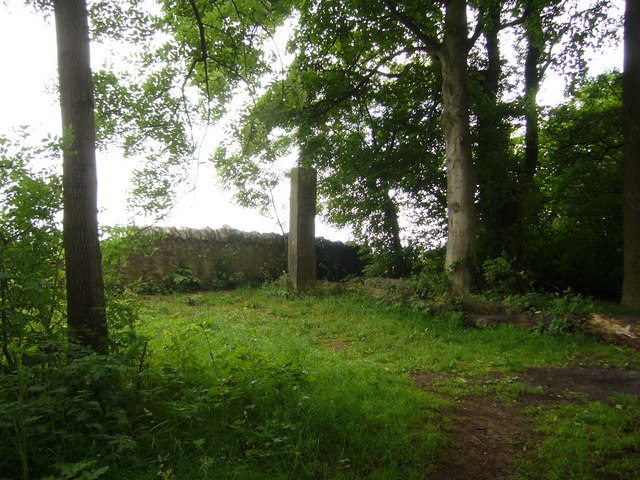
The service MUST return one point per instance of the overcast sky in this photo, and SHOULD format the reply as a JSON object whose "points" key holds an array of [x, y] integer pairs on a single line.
{"points": [[28, 59]]}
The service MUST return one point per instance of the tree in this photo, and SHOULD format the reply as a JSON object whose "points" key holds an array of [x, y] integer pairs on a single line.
{"points": [[340, 103], [551, 34], [86, 314], [631, 123], [495, 159], [461, 179]]}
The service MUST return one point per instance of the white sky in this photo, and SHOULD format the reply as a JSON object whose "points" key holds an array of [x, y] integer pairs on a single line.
{"points": [[28, 59]]}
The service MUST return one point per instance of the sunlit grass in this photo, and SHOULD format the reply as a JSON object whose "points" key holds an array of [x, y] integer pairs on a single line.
{"points": [[397, 337], [267, 383], [279, 401]]}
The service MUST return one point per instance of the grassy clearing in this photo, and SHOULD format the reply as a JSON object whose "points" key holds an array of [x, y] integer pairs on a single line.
{"points": [[334, 369], [397, 337], [269, 384]]}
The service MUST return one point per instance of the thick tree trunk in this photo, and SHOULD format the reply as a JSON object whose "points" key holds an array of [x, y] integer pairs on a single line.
{"points": [[85, 288], [461, 182], [631, 187]]}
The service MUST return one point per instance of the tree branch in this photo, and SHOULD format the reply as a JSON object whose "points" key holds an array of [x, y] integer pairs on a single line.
{"points": [[430, 43], [203, 47]]}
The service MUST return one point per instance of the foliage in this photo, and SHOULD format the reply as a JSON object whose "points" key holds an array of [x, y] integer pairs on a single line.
{"points": [[30, 246], [182, 280], [502, 278], [148, 105], [78, 410], [358, 97], [118, 244], [358, 118], [431, 281], [54, 396], [360, 102], [558, 304], [576, 242]]}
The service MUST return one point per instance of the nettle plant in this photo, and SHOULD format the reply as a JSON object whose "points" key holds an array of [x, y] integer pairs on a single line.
{"points": [[30, 245]]}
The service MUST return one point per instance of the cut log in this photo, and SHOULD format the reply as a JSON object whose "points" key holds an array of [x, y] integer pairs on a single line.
{"points": [[519, 319], [483, 307], [619, 330]]}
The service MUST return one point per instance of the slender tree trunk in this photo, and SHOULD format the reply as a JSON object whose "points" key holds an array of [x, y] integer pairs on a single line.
{"points": [[400, 268], [85, 288], [631, 187], [531, 87], [532, 78], [497, 206], [461, 182]]}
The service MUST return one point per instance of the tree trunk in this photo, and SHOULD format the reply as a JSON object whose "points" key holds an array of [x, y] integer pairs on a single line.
{"points": [[399, 266], [461, 183], [497, 206], [531, 88], [532, 79], [631, 187], [86, 315]]}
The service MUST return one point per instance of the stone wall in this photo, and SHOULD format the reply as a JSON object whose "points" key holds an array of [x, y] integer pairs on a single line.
{"points": [[211, 254]]}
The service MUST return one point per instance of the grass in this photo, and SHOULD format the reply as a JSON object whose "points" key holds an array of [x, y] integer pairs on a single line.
{"points": [[269, 384], [588, 440], [396, 337], [282, 404]]}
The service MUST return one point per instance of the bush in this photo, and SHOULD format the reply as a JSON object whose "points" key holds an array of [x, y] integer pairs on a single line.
{"points": [[31, 271], [432, 283], [502, 278]]}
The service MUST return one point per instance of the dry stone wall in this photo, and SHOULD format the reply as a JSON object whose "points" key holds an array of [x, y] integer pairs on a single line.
{"points": [[211, 254]]}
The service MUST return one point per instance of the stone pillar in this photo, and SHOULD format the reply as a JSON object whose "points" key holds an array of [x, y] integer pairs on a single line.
{"points": [[302, 230]]}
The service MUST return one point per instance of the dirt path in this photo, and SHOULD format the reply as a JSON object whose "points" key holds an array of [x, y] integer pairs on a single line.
{"points": [[487, 434]]}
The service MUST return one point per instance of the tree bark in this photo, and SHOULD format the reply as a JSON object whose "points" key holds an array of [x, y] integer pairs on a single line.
{"points": [[399, 267], [497, 206], [631, 162], [86, 316], [620, 330], [532, 78], [461, 182]]}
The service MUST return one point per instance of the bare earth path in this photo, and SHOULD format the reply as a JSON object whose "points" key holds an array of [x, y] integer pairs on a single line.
{"points": [[487, 434]]}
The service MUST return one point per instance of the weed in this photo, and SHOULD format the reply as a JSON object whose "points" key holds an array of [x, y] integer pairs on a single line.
{"points": [[182, 280]]}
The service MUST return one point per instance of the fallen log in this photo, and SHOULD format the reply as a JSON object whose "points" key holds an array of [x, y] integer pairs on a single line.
{"points": [[614, 329], [519, 319], [622, 330], [483, 307]]}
